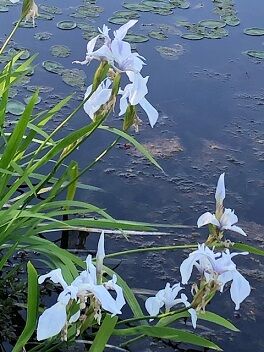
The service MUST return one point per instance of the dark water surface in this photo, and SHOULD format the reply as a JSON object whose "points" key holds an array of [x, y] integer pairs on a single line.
{"points": [[211, 103]]}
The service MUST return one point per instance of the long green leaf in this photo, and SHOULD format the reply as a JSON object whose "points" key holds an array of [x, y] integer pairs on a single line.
{"points": [[32, 309], [168, 334], [136, 144], [247, 248], [103, 334]]}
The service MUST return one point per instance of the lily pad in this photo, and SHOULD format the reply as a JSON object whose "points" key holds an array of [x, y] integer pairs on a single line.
{"points": [[192, 36], [24, 24], [43, 35], [232, 20], [162, 11], [54, 10], [181, 4], [41, 89], [74, 77], [86, 27], [158, 4], [128, 14], [254, 31], [15, 107], [12, 92], [136, 38], [136, 7], [157, 35], [3, 8], [118, 20], [67, 25], [88, 11], [212, 24], [256, 54], [27, 100], [53, 66], [217, 33], [170, 53], [89, 35], [60, 51], [45, 16]]}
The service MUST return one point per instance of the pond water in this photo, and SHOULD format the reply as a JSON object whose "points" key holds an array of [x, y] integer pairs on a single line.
{"points": [[211, 103]]}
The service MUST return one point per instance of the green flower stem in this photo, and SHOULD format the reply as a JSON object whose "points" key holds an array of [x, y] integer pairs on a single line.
{"points": [[128, 342], [151, 249], [147, 317], [10, 36]]}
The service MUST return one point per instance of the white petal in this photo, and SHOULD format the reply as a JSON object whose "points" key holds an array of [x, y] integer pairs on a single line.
{"points": [[52, 321], [240, 289], [224, 278], [193, 315], [122, 31], [153, 305], [150, 111], [138, 89], [55, 276], [91, 270], [121, 52], [186, 268], [100, 249], [91, 45], [75, 317], [237, 229], [123, 105], [112, 285], [228, 218], [207, 218], [107, 301], [220, 189]]}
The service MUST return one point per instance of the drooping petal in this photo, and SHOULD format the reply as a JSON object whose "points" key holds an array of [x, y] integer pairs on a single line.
{"points": [[224, 278], [107, 302], [207, 218], [121, 32], [112, 285], [97, 99], [89, 50], [52, 321], [151, 112], [220, 189], [237, 229], [186, 268], [191, 311], [153, 305], [138, 89], [55, 276], [240, 289]]}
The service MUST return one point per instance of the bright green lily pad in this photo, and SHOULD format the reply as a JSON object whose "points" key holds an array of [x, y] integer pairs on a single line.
{"points": [[27, 100], [15, 107], [212, 24], [254, 31], [53, 10], [136, 7], [136, 38], [192, 36], [67, 25], [60, 50], [74, 77], [170, 53], [157, 35], [42, 35], [256, 54], [53, 66]]}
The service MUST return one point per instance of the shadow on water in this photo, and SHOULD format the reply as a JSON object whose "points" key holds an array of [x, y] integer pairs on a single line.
{"points": [[211, 102]]}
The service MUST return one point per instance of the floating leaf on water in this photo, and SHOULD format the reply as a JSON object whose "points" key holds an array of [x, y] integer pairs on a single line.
{"points": [[136, 38], [74, 77], [24, 24], [24, 56], [217, 33], [43, 35], [162, 11], [156, 4], [136, 7], [118, 20], [157, 35], [12, 92], [15, 107], [212, 24], [256, 54], [41, 89], [183, 23], [86, 27], [231, 20], [128, 14], [88, 11], [66, 25], [192, 36], [181, 4], [60, 51], [254, 31], [3, 8], [89, 35], [169, 29], [45, 16], [53, 66], [170, 52], [54, 10]]}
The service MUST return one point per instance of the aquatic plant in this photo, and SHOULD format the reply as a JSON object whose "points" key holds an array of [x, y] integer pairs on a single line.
{"points": [[35, 203]]}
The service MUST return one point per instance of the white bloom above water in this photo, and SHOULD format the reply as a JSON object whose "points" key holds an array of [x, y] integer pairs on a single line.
{"points": [[167, 298], [217, 267], [224, 219], [84, 289]]}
